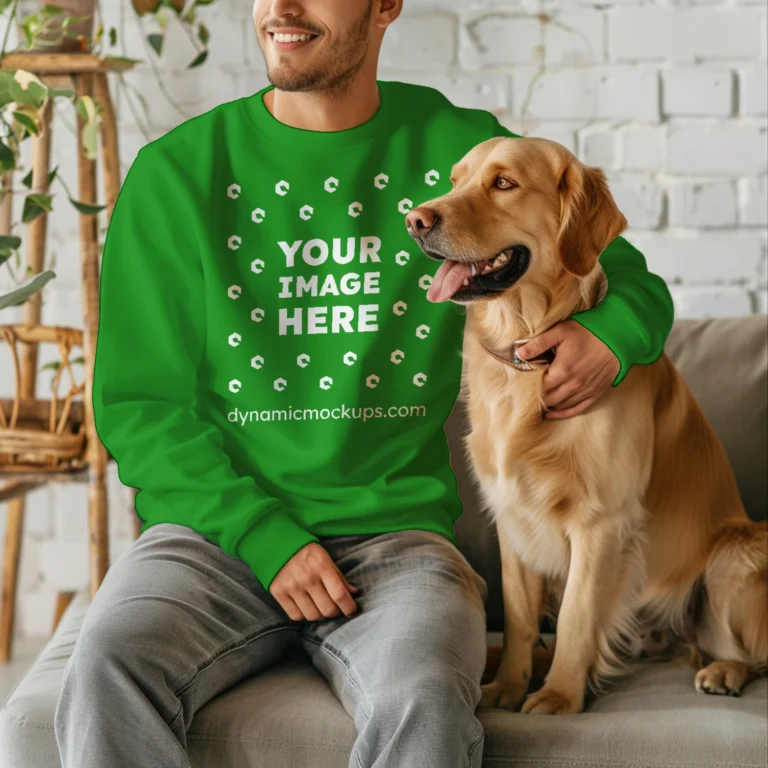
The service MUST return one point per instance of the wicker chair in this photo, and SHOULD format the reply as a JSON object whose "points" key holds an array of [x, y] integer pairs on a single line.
{"points": [[42, 441]]}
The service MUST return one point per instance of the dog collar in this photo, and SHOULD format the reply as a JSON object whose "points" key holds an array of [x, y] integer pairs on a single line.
{"points": [[534, 363]]}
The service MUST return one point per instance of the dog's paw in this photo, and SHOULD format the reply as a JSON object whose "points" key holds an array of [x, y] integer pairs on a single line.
{"points": [[501, 694], [549, 701], [722, 678]]}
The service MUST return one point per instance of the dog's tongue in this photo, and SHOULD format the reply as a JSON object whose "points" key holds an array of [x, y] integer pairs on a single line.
{"points": [[448, 279]]}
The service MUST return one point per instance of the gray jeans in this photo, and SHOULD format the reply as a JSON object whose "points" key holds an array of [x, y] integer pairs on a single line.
{"points": [[176, 621]]}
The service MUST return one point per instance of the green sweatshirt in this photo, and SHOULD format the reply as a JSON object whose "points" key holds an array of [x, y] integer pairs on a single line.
{"points": [[268, 368]]}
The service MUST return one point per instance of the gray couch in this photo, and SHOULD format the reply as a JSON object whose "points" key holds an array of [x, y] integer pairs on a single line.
{"points": [[287, 717]]}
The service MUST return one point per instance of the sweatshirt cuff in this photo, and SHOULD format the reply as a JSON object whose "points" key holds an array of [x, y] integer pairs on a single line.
{"points": [[618, 328], [271, 543]]}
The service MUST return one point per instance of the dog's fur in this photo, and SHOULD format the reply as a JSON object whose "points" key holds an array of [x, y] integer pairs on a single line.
{"points": [[630, 511]]}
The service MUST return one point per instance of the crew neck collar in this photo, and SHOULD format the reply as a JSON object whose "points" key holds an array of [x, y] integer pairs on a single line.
{"points": [[325, 141]]}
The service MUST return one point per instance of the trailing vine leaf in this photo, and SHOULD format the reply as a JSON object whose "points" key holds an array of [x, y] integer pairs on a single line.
{"points": [[7, 158], [31, 27], [112, 37], [90, 140], [54, 365], [34, 205], [48, 11], [28, 117], [27, 180], [89, 113], [87, 109], [124, 59], [9, 241], [156, 41], [8, 246], [25, 290], [199, 59], [27, 88], [6, 77], [87, 208], [70, 20]]}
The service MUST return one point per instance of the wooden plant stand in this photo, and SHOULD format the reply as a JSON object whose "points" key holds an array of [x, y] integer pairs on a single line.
{"points": [[86, 75]]}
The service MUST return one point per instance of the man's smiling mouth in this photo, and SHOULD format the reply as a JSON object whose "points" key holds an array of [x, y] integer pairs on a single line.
{"points": [[291, 40]]}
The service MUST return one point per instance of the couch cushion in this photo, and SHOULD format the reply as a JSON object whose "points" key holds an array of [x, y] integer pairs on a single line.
{"points": [[287, 717], [725, 363]]}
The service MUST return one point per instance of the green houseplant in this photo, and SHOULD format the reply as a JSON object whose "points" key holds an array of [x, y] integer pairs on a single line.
{"points": [[65, 26], [28, 288]]}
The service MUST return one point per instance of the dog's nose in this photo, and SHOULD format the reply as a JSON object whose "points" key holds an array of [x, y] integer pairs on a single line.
{"points": [[420, 220]]}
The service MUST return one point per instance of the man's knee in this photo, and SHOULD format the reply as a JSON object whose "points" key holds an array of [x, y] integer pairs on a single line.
{"points": [[432, 695], [426, 676], [131, 640]]}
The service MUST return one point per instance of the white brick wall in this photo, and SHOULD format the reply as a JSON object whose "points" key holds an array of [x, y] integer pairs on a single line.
{"points": [[669, 96]]}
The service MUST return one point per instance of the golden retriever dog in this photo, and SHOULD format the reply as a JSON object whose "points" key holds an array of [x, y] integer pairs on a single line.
{"points": [[629, 513]]}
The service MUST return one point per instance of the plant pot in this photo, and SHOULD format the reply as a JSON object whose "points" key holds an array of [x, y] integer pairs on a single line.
{"points": [[55, 41]]}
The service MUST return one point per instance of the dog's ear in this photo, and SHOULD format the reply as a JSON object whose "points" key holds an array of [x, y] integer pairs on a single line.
{"points": [[589, 217]]}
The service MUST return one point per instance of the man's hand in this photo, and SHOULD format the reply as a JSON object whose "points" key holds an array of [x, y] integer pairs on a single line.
{"points": [[583, 370], [310, 586]]}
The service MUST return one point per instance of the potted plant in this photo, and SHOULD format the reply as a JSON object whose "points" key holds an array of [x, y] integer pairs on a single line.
{"points": [[71, 25], [57, 25], [64, 26]]}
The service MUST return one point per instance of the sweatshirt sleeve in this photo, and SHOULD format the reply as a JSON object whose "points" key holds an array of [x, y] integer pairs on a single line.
{"points": [[636, 314], [150, 342]]}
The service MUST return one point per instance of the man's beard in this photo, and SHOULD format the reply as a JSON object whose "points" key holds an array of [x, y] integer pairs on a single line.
{"points": [[344, 60]]}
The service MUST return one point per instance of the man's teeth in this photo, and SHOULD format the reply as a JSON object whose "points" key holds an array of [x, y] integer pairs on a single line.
{"points": [[281, 38]]}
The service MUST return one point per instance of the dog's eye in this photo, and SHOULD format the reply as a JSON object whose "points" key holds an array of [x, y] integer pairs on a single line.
{"points": [[504, 183]]}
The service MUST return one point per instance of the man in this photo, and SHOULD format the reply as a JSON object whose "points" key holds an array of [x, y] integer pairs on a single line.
{"points": [[272, 379]]}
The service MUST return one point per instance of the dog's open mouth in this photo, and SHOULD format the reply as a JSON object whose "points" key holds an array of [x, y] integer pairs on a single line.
{"points": [[461, 281]]}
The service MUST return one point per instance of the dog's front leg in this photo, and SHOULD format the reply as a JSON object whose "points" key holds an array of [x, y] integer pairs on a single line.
{"points": [[595, 560], [522, 591]]}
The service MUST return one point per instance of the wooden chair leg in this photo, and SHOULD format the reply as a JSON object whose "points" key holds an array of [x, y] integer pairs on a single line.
{"points": [[89, 263], [110, 165], [14, 528], [110, 155], [36, 236], [98, 526], [63, 599]]}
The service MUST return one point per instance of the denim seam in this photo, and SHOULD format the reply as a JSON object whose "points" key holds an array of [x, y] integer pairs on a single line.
{"points": [[231, 646], [177, 716], [344, 661], [474, 747]]}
